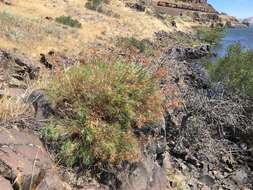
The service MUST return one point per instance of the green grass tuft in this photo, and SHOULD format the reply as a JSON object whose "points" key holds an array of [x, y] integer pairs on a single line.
{"points": [[68, 21], [210, 35], [94, 5]]}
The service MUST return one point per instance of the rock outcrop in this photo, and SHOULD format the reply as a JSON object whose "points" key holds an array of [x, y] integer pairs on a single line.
{"points": [[181, 53], [231, 21], [202, 133], [56, 60], [188, 6], [25, 163], [41, 104], [15, 69], [5, 184]]}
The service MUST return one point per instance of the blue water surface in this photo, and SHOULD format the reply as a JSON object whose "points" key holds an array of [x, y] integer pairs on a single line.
{"points": [[234, 35]]}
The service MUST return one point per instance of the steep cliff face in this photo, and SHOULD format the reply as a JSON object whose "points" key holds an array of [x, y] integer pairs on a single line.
{"points": [[187, 5]]}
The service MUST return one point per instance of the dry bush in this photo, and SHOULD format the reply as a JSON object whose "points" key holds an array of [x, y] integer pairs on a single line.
{"points": [[100, 104]]}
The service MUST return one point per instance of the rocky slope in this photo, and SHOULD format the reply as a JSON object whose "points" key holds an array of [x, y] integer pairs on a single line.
{"points": [[231, 21], [201, 142], [183, 6]]}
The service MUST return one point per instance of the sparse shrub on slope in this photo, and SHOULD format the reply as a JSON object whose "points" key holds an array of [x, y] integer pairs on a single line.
{"points": [[101, 7], [132, 42], [67, 20], [100, 105], [94, 4]]}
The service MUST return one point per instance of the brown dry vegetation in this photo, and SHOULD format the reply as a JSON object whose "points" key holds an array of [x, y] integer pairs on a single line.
{"points": [[12, 108], [100, 104], [24, 25]]}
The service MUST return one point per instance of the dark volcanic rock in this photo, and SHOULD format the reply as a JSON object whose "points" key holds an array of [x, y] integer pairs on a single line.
{"points": [[41, 104], [15, 69], [147, 174], [202, 133], [181, 53], [139, 6], [53, 60]]}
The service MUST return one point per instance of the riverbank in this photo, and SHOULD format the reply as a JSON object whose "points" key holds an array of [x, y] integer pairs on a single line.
{"points": [[212, 124], [129, 110]]}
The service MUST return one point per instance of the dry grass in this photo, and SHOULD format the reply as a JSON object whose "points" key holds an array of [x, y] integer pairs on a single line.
{"points": [[23, 25], [178, 181], [13, 103], [12, 108]]}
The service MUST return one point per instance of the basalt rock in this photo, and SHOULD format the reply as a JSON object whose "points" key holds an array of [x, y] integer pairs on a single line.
{"points": [[53, 60], [181, 53], [139, 6], [41, 104], [147, 174], [198, 6], [25, 163], [202, 133], [15, 69]]}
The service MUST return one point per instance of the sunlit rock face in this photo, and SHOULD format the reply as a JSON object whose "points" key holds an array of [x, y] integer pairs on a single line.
{"points": [[178, 7], [195, 1]]}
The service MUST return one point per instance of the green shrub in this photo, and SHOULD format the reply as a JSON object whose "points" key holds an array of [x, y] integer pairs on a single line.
{"points": [[94, 5], [100, 105], [210, 35], [235, 69], [186, 40], [67, 20], [132, 42]]}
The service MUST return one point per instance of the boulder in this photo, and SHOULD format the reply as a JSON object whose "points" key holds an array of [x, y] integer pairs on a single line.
{"points": [[41, 104], [55, 60], [144, 175], [5, 184], [25, 162], [15, 69], [150, 172], [139, 6]]}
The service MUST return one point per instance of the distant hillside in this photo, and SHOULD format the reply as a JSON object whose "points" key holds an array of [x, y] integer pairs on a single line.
{"points": [[249, 20]]}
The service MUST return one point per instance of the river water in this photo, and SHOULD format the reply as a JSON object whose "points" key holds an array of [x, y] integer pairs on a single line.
{"points": [[242, 35]]}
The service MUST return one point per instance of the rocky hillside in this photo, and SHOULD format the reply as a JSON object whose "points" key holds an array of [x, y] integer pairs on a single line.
{"points": [[186, 6], [249, 20], [108, 95]]}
